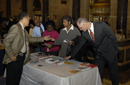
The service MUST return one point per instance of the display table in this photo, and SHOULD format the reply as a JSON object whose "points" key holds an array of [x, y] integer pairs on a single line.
{"points": [[49, 74]]}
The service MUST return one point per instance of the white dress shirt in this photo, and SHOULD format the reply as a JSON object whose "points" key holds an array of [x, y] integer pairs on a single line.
{"points": [[24, 46], [91, 28], [71, 28]]}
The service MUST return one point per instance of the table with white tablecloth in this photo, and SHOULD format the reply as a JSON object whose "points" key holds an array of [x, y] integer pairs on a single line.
{"points": [[49, 74]]}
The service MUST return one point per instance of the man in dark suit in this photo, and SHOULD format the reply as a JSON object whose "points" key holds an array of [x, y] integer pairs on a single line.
{"points": [[16, 45], [104, 43]]}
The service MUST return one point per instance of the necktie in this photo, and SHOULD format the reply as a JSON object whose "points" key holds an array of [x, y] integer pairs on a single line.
{"points": [[25, 41], [92, 35]]}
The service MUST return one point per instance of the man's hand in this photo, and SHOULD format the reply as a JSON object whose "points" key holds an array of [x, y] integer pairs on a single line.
{"points": [[70, 42], [13, 58], [66, 58], [47, 38], [49, 46]]}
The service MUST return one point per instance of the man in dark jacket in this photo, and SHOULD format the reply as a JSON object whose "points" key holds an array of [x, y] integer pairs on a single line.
{"points": [[104, 43]]}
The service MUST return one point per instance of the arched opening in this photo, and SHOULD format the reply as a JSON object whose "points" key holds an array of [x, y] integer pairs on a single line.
{"points": [[37, 9]]}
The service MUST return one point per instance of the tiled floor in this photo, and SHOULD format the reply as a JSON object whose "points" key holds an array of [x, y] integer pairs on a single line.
{"points": [[108, 82], [124, 76]]}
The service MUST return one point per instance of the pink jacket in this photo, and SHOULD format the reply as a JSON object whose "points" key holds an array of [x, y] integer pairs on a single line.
{"points": [[53, 34]]}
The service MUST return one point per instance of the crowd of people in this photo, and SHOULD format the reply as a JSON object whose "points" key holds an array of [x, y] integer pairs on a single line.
{"points": [[48, 40]]}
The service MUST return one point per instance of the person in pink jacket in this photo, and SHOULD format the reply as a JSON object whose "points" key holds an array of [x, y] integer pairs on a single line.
{"points": [[53, 34]]}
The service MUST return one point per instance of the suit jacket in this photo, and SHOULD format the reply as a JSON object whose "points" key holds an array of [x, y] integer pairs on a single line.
{"points": [[14, 41], [105, 44]]}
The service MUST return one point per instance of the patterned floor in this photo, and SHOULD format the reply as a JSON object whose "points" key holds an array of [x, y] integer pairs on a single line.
{"points": [[108, 82], [124, 77]]}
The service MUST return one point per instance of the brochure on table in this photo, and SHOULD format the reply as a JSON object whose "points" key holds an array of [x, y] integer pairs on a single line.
{"points": [[54, 60]]}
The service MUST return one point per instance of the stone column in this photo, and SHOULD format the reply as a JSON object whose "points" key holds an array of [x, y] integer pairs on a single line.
{"points": [[24, 5], [45, 10], [113, 15], [122, 15], [128, 17], [84, 8], [76, 9], [8, 8]]}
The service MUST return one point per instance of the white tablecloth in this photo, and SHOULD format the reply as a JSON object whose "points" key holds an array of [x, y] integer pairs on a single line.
{"points": [[58, 75]]}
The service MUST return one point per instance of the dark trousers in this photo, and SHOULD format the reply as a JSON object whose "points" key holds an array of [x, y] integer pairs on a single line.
{"points": [[14, 71], [113, 68], [2, 66], [39, 48]]}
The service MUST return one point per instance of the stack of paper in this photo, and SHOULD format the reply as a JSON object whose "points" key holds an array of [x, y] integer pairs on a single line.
{"points": [[92, 65], [83, 68], [84, 64], [60, 62], [51, 60], [74, 71]]}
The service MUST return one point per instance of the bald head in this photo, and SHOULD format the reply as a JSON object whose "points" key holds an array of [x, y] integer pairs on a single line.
{"points": [[83, 24], [37, 22], [82, 20]]}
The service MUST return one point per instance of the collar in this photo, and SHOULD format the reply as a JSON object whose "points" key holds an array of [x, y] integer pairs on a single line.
{"points": [[91, 28], [71, 28], [22, 25]]}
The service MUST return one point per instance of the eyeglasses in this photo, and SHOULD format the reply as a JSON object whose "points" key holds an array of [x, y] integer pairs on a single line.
{"points": [[81, 27]]}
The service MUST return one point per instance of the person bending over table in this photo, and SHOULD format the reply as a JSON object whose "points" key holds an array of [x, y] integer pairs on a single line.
{"points": [[104, 43]]}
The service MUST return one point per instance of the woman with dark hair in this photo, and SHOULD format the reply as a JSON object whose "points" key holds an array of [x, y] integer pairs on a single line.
{"points": [[53, 34], [66, 34], [32, 25]]}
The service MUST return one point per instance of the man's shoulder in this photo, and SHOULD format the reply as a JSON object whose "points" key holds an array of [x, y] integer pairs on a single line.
{"points": [[15, 28], [15, 25], [98, 23]]}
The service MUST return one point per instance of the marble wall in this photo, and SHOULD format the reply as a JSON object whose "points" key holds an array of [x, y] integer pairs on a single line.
{"points": [[58, 10], [84, 8], [128, 16], [3, 7], [113, 14]]}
